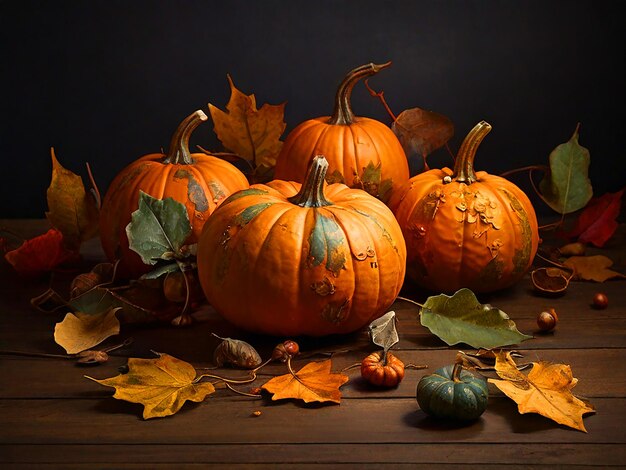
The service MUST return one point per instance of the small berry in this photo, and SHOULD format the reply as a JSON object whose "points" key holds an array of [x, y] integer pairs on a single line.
{"points": [[547, 320], [600, 300]]}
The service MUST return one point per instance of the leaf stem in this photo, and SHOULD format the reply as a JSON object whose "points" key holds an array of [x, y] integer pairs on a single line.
{"points": [[543, 168], [410, 301], [381, 96], [94, 187]]}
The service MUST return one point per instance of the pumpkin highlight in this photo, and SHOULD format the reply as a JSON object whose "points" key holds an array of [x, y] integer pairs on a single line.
{"points": [[362, 153], [198, 181], [465, 228], [287, 259]]}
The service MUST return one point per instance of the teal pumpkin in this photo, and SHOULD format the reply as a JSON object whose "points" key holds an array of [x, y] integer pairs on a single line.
{"points": [[452, 393]]}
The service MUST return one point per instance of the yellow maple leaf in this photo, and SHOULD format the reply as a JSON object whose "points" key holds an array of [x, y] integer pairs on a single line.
{"points": [[592, 268], [313, 383], [546, 390], [161, 385], [251, 133], [71, 210], [81, 331]]}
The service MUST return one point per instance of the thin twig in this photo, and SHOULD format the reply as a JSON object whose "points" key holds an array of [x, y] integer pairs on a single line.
{"points": [[410, 301], [381, 96], [94, 187]]}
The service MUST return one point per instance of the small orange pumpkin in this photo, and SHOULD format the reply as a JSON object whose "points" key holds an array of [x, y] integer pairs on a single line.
{"points": [[287, 259], [464, 228], [362, 153], [197, 180], [382, 371]]}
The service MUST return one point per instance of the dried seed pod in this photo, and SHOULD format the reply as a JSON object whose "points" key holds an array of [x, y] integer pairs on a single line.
{"points": [[237, 353]]}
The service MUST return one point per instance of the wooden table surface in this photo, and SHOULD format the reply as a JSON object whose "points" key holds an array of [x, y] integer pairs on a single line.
{"points": [[52, 417]]}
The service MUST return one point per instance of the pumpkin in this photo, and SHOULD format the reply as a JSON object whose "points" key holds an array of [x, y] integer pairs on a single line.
{"points": [[287, 259], [382, 370], [197, 180], [362, 153], [464, 228], [452, 393]]}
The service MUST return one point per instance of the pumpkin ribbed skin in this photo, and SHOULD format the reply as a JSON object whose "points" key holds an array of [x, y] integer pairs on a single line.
{"points": [[200, 185], [441, 396], [328, 266], [466, 229], [362, 153], [376, 371]]}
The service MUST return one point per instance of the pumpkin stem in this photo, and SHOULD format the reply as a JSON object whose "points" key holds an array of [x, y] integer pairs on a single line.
{"points": [[343, 115], [178, 152], [456, 372], [464, 165], [312, 192]]}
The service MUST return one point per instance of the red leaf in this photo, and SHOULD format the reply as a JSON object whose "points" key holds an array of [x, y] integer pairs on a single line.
{"points": [[596, 224], [41, 254]]}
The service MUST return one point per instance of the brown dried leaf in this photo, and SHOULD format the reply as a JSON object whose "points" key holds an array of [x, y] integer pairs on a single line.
{"points": [[79, 332], [592, 268], [573, 249], [422, 132], [71, 209], [545, 390], [313, 383], [161, 385]]}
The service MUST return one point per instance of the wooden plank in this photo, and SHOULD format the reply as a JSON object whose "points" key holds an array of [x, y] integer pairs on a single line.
{"points": [[308, 466], [303, 453], [110, 421], [600, 373]]}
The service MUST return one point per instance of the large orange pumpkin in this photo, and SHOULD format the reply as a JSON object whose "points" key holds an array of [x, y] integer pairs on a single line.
{"points": [[197, 180], [464, 228], [362, 153], [287, 259]]}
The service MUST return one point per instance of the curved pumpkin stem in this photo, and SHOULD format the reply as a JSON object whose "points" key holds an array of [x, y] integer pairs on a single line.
{"points": [[342, 114], [312, 192], [464, 166], [178, 151]]}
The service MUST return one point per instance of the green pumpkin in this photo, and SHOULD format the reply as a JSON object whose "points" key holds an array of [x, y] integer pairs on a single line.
{"points": [[452, 393]]}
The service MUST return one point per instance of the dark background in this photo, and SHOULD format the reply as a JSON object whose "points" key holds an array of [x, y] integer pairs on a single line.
{"points": [[105, 82]]}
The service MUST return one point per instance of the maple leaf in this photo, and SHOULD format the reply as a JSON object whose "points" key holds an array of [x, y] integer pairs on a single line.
{"points": [[253, 134], [81, 331], [71, 209], [546, 390], [161, 385], [313, 383], [41, 254], [592, 268], [597, 222]]}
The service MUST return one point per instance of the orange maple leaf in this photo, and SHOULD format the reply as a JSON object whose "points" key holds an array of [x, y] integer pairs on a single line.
{"points": [[545, 390], [313, 383], [253, 134]]}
